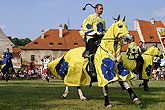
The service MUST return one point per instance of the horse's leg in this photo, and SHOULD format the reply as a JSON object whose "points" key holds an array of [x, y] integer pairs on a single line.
{"points": [[63, 96], [81, 94], [141, 84], [133, 96], [131, 83], [7, 77], [145, 81], [6, 74], [106, 100]]}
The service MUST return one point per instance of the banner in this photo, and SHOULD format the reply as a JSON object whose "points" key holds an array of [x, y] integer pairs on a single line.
{"points": [[161, 34]]}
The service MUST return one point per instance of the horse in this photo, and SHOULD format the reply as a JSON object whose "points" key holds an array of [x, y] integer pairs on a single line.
{"points": [[71, 67], [147, 69], [6, 65]]}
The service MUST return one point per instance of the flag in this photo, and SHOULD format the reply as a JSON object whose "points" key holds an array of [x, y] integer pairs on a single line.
{"points": [[161, 34]]}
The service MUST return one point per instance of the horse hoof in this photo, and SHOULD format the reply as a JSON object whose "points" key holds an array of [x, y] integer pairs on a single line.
{"points": [[62, 97], [85, 99], [109, 106], [136, 101]]}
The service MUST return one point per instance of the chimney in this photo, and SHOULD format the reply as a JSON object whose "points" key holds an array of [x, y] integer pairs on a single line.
{"points": [[135, 24], [42, 34], [152, 21], [65, 26], [9, 37], [60, 31]]}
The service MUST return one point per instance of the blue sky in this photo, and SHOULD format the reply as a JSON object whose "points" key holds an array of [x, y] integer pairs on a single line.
{"points": [[26, 18]]}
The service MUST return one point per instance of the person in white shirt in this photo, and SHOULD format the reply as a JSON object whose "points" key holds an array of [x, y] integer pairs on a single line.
{"points": [[140, 47], [45, 61]]}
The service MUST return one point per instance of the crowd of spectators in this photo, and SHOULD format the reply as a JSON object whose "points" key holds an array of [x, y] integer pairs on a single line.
{"points": [[159, 74]]}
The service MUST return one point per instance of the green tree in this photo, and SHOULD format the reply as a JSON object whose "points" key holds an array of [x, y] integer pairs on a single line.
{"points": [[20, 42]]}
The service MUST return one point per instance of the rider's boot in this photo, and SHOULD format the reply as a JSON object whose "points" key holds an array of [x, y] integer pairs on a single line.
{"points": [[85, 54]]}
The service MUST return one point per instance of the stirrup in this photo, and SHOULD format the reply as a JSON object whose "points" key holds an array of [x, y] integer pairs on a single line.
{"points": [[90, 67], [85, 54]]}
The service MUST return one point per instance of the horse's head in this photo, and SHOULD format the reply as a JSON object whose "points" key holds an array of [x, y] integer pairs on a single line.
{"points": [[115, 34], [153, 51], [120, 30]]}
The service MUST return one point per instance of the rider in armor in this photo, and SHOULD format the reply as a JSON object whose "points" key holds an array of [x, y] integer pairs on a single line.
{"points": [[132, 50], [93, 30], [134, 54]]}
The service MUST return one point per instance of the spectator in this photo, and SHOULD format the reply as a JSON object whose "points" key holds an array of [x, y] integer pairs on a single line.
{"points": [[31, 69], [45, 61]]}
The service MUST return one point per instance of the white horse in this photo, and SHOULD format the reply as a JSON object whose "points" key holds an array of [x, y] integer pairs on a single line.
{"points": [[108, 67]]}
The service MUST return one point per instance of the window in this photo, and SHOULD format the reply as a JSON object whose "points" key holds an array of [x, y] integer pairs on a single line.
{"points": [[35, 43], [60, 44], [75, 44], [51, 43], [32, 57], [151, 37]]}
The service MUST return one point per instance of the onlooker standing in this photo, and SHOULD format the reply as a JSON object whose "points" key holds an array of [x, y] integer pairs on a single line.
{"points": [[31, 69], [45, 61]]}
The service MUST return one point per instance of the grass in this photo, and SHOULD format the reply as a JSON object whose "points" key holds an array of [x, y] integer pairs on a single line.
{"points": [[40, 95]]}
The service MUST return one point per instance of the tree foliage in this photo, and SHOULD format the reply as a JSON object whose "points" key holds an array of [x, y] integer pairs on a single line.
{"points": [[20, 42]]}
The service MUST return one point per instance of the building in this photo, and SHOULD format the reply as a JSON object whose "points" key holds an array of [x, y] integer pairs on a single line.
{"points": [[56, 42], [53, 43], [17, 59], [137, 39], [148, 33], [5, 43]]}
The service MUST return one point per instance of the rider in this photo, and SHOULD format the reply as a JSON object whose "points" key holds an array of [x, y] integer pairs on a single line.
{"points": [[7, 63], [92, 31], [132, 50], [134, 54]]}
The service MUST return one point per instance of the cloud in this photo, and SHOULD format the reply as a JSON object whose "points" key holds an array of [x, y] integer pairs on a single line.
{"points": [[50, 3], [2, 26], [159, 12]]}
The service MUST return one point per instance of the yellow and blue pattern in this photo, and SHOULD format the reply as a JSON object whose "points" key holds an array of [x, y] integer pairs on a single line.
{"points": [[7, 62], [122, 70], [62, 68], [71, 67], [90, 24], [107, 69]]}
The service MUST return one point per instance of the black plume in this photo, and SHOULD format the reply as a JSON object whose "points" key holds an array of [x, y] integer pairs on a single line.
{"points": [[87, 5]]}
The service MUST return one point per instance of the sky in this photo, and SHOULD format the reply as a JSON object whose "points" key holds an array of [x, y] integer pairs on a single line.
{"points": [[26, 18]]}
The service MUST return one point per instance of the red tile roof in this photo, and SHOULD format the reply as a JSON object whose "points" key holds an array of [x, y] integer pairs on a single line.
{"points": [[137, 39], [149, 31], [71, 39], [16, 51]]}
